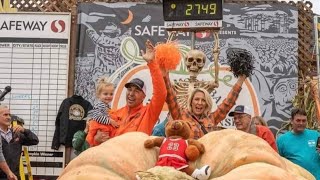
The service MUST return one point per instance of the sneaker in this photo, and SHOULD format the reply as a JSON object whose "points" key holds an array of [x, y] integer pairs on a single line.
{"points": [[202, 174]]}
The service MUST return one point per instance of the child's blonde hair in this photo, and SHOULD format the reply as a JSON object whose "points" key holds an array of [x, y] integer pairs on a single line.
{"points": [[102, 83]]}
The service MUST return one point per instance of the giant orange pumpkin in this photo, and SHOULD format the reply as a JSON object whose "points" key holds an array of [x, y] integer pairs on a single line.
{"points": [[231, 154]]}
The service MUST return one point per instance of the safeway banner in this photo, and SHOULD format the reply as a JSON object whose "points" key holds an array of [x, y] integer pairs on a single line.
{"points": [[37, 26]]}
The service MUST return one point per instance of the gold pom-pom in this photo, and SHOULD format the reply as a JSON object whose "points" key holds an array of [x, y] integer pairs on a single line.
{"points": [[168, 55]]}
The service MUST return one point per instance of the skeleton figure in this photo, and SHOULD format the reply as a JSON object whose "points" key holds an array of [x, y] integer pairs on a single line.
{"points": [[195, 61]]}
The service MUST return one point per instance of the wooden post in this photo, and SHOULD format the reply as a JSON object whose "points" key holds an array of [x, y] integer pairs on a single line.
{"points": [[72, 55]]}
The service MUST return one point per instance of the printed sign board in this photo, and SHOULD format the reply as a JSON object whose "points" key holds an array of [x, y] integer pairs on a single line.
{"points": [[34, 56]]}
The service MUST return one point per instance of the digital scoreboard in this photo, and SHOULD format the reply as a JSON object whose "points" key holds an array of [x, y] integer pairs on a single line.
{"points": [[192, 14]]}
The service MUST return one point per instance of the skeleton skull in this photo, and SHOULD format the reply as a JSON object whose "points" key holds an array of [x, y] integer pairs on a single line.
{"points": [[195, 61]]}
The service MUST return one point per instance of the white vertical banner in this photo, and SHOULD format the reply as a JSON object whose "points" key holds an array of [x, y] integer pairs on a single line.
{"points": [[34, 57]]}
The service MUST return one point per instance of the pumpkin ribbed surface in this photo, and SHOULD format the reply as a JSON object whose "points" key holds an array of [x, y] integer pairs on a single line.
{"points": [[228, 149], [231, 154], [118, 158]]}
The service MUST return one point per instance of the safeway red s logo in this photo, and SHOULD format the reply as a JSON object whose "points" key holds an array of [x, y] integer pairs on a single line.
{"points": [[58, 26], [202, 35]]}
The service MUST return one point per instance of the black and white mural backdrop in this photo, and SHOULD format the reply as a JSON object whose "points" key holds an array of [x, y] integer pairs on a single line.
{"points": [[112, 34]]}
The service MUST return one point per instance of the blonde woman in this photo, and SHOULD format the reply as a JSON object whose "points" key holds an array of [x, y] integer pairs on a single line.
{"points": [[198, 113], [258, 120]]}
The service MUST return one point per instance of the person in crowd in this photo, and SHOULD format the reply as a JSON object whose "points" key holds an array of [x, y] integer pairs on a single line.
{"points": [[4, 168], [135, 116], [100, 112], [198, 114], [79, 142], [300, 144], [159, 129], [12, 141], [243, 121], [258, 120]]}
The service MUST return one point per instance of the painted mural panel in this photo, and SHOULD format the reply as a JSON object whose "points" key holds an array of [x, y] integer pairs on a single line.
{"points": [[111, 36]]}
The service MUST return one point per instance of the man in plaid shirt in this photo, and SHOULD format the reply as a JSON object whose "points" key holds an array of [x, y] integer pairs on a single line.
{"points": [[199, 105]]}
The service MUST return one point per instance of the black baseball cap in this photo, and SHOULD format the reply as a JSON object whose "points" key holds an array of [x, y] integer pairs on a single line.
{"points": [[138, 83]]}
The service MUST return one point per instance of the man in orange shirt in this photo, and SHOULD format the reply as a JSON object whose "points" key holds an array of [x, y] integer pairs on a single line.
{"points": [[243, 121], [135, 116]]}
